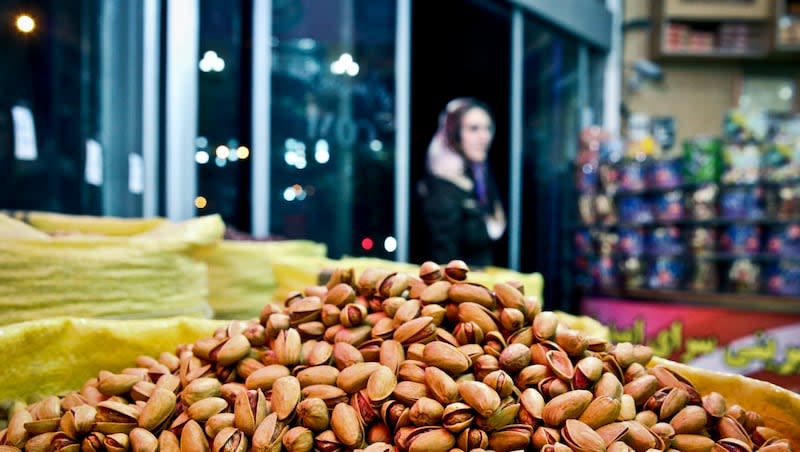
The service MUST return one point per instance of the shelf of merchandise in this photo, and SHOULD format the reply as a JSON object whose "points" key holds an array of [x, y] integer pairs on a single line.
{"points": [[751, 26]]}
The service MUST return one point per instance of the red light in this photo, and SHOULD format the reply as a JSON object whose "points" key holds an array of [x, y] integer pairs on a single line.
{"points": [[367, 243]]}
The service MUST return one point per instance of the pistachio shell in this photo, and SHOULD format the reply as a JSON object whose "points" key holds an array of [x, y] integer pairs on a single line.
{"points": [[569, 405], [346, 426], [483, 399], [354, 378], [286, 393], [158, 409], [581, 437], [381, 384], [446, 357]]}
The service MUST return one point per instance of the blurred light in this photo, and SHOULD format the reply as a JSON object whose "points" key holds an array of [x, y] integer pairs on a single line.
{"points": [[289, 194], [242, 152], [211, 62], [25, 23], [301, 196], [301, 163], [290, 158], [367, 243], [201, 157], [233, 143], [376, 145], [785, 93], [321, 152], [218, 65], [220, 162], [297, 188], [200, 202], [223, 152], [310, 190], [345, 65], [306, 43], [232, 157], [201, 142], [390, 244]]}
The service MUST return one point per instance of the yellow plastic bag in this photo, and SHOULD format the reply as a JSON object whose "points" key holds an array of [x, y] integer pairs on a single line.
{"points": [[45, 357], [154, 273], [240, 276], [55, 355]]}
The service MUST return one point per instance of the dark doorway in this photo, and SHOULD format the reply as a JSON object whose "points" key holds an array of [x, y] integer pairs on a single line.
{"points": [[463, 52]]}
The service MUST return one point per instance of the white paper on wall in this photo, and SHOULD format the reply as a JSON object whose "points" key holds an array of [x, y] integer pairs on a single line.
{"points": [[24, 133], [135, 173], [94, 162]]}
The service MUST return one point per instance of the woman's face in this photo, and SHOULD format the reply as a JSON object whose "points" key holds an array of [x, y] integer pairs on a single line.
{"points": [[476, 133]]}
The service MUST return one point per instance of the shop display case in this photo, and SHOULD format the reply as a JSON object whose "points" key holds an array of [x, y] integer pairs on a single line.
{"points": [[707, 231]]}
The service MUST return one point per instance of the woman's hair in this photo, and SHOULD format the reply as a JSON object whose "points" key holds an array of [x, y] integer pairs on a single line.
{"points": [[450, 118]]}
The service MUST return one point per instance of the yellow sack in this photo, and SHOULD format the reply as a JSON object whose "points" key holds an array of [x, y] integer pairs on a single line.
{"points": [[55, 355], [154, 273], [240, 276], [45, 357]]}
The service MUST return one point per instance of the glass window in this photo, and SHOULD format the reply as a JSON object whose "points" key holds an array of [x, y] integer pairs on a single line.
{"points": [[49, 106], [551, 120], [222, 151], [332, 154]]}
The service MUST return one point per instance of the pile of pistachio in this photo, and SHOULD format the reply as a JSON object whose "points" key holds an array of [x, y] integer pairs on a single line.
{"points": [[386, 361]]}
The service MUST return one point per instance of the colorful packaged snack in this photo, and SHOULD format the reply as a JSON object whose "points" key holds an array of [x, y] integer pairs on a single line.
{"points": [[783, 277], [631, 241], [666, 173], [784, 239], [669, 206], [666, 240], [666, 272], [701, 203], [634, 209], [741, 238], [702, 160]]}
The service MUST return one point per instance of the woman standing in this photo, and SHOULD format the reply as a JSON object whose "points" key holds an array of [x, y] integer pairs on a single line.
{"points": [[462, 211]]}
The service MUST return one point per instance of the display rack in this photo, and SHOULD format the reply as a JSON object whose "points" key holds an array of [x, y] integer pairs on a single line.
{"points": [[714, 30]]}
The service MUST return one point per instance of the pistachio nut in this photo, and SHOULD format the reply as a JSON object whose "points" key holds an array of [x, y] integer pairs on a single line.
{"points": [[354, 377], [381, 384], [729, 427], [158, 409], [346, 425], [641, 388], [249, 409], [430, 439], [408, 392], [268, 434], [313, 414], [331, 395], [501, 382], [200, 388], [298, 439], [217, 422], [391, 354], [407, 311], [457, 416], [474, 312], [264, 377], [544, 435], [430, 272], [317, 375], [202, 410], [613, 432], [379, 433], [461, 292], [691, 419], [646, 418], [714, 403], [425, 411], [509, 296], [446, 357], [572, 341], [588, 370], [581, 437], [640, 437], [468, 333], [692, 443], [544, 325], [435, 293], [510, 438], [569, 405], [515, 357], [472, 438], [532, 375], [456, 270], [286, 393], [327, 442], [142, 440], [483, 399], [601, 411], [111, 384], [287, 347], [193, 439], [627, 408], [512, 319], [504, 415], [419, 330], [340, 295]]}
